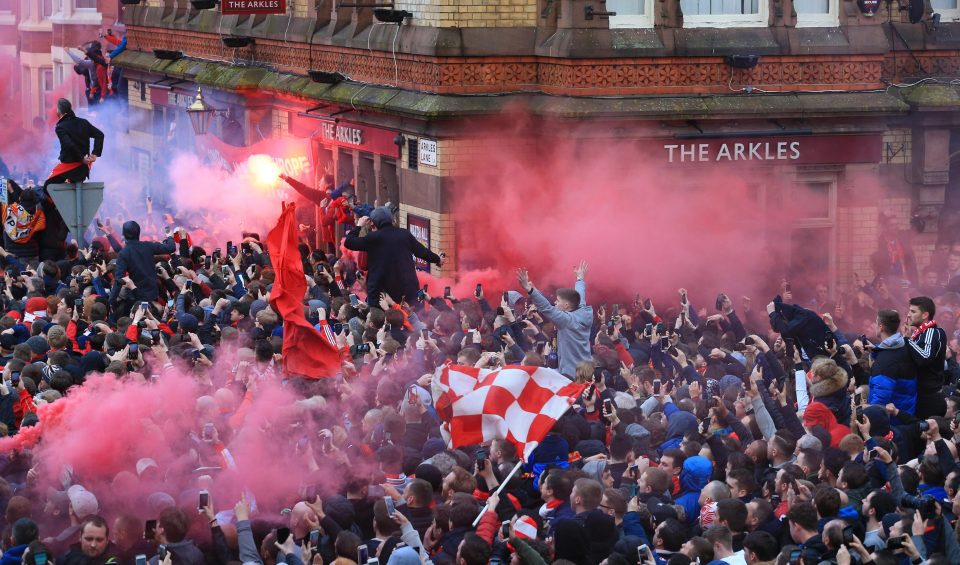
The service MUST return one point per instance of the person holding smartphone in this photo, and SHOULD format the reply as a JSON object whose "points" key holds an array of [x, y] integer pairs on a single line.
{"points": [[172, 537]]}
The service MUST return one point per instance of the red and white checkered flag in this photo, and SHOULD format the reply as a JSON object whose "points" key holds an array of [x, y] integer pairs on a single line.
{"points": [[519, 404]]}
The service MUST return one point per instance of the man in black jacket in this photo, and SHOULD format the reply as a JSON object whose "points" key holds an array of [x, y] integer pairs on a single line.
{"points": [[136, 259], [74, 134], [75, 159], [928, 347], [390, 251], [94, 548]]}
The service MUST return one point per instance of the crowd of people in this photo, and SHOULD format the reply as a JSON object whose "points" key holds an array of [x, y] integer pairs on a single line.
{"points": [[816, 430]]}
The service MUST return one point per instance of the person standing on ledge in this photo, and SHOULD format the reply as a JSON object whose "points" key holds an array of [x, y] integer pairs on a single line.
{"points": [[390, 252]]}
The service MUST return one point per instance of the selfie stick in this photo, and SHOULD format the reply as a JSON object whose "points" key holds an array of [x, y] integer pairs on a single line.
{"points": [[497, 492]]}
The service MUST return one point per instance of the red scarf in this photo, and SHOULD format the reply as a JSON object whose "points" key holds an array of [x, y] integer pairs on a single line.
{"points": [[62, 168], [923, 327]]}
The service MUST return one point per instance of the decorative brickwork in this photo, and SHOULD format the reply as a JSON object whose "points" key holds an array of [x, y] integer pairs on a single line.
{"points": [[586, 77]]}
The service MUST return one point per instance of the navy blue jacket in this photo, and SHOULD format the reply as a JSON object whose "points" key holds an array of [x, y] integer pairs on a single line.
{"points": [[137, 260]]}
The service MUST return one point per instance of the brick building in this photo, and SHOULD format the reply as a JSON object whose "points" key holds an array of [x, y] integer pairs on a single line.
{"points": [[814, 91]]}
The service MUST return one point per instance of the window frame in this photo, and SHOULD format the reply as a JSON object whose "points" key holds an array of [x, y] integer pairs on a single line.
{"points": [[830, 19], [634, 21], [760, 19], [948, 15]]}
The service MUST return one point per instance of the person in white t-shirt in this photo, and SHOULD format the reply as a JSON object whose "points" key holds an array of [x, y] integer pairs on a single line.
{"points": [[722, 540]]}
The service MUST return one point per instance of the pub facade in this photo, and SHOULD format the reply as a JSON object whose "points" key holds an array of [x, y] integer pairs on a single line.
{"points": [[817, 96]]}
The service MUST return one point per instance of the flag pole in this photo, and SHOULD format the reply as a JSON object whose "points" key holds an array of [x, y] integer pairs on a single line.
{"points": [[499, 488]]}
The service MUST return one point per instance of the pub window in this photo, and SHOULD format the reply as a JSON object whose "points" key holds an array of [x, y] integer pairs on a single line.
{"points": [[631, 13], [817, 13], [85, 4], [724, 13], [949, 10], [814, 199]]}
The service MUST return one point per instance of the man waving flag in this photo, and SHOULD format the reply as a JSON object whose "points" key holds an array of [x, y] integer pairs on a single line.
{"points": [[518, 404], [306, 351]]}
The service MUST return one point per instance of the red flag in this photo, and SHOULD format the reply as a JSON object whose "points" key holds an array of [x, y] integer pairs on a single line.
{"points": [[305, 350], [519, 404]]}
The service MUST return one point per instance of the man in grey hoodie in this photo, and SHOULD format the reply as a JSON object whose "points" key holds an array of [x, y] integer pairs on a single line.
{"points": [[570, 314]]}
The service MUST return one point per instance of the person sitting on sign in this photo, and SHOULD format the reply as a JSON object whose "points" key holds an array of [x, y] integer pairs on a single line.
{"points": [[76, 159]]}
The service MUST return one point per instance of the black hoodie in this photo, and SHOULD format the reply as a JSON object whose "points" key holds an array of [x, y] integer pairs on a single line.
{"points": [[136, 259]]}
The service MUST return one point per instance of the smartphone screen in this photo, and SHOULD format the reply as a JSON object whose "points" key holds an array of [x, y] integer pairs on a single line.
{"points": [[354, 300], [478, 290], [149, 529], [391, 509], [204, 499], [424, 334], [656, 386], [363, 554], [40, 558], [282, 535], [140, 560], [858, 399], [446, 292], [315, 538], [607, 405]]}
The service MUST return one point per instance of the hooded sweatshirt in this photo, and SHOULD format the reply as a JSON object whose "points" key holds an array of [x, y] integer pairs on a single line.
{"points": [[694, 476], [679, 422], [818, 414], [136, 259]]}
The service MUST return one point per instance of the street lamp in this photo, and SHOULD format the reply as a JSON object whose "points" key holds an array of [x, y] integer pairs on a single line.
{"points": [[200, 114]]}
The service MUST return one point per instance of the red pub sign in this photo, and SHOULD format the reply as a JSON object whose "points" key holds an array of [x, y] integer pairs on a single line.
{"points": [[787, 150], [245, 7]]}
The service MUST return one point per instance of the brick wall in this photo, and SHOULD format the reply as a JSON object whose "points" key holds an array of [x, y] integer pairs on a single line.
{"points": [[897, 146], [471, 13]]}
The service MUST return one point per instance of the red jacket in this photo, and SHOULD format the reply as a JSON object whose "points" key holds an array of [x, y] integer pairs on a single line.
{"points": [[343, 210], [101, 85], [22, 406]]}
